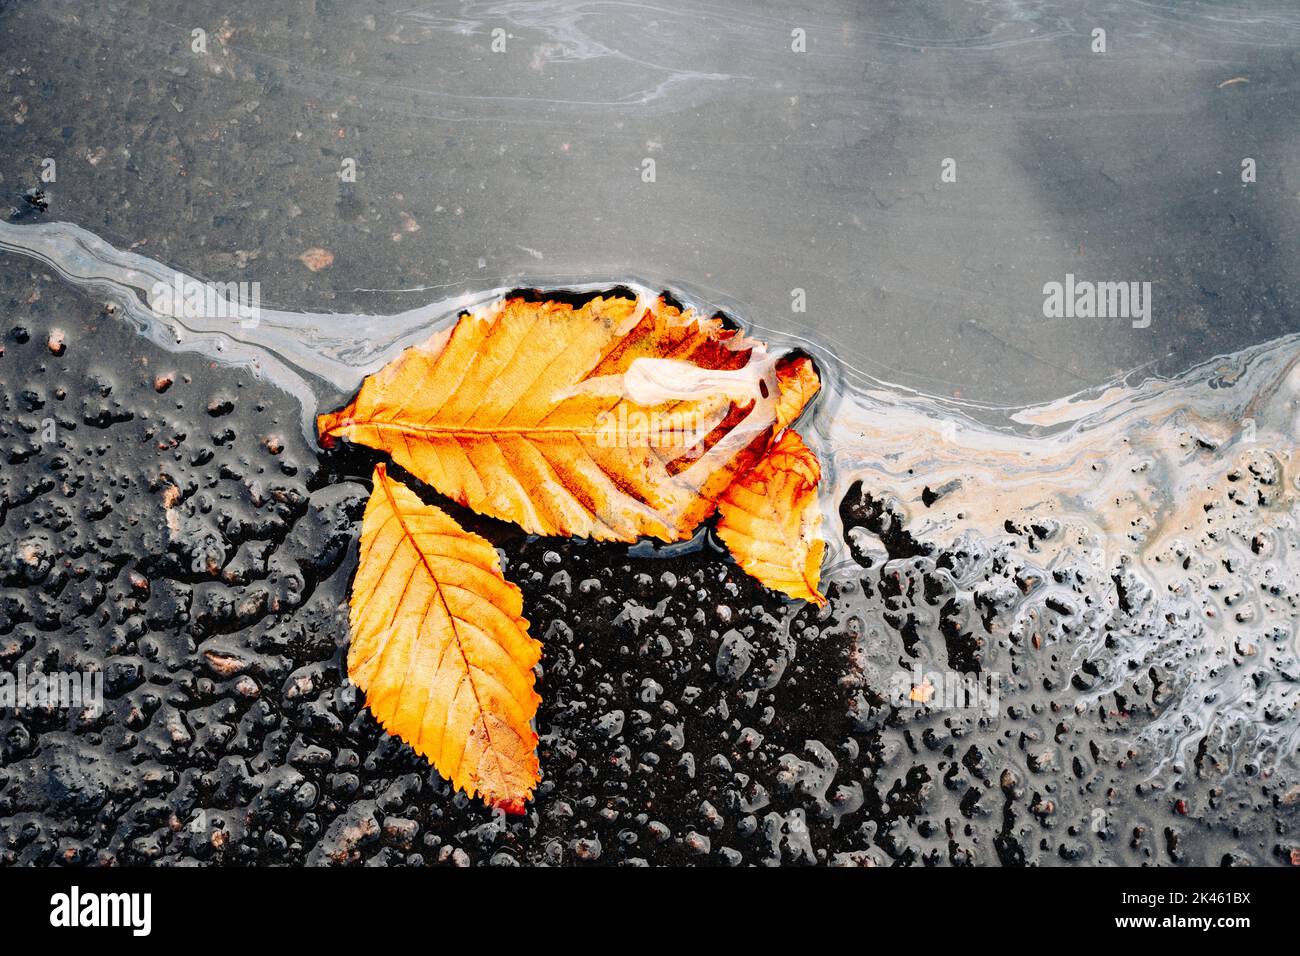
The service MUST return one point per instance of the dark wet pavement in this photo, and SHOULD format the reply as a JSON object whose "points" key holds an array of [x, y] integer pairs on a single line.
{"points": [[185, 542]]}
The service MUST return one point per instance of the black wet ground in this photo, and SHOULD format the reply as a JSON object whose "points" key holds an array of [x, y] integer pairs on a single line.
{"points": [[180, 535]]}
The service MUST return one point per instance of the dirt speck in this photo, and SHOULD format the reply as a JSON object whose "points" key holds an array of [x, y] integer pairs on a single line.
{"points": [[317, 259]]}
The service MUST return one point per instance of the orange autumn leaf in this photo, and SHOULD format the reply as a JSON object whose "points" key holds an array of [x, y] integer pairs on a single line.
{"points": [[611, 419], [769, 519], [440, 646], [797, 383], [614, 419]]}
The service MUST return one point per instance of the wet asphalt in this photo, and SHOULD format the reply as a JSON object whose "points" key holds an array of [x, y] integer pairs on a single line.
{"points": [[181, 538]]}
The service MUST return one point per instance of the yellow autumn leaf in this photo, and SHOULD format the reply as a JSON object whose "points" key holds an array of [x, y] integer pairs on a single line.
{"points": [[797, 383], [440, 646], [614, 419], [769, 519]]}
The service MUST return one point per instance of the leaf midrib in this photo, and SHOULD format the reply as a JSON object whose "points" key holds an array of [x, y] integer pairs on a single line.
{"points": [[452, 619], [489, 431]]}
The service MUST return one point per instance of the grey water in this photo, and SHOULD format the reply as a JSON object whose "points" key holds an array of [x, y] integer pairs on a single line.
{"points": [[798, 162]]}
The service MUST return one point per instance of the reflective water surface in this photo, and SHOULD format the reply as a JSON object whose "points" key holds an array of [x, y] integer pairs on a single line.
{"points": [[797, 161]]}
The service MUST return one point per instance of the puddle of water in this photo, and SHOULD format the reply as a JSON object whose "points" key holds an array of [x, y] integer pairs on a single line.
{"points": [[777, 170], [1161, 511]]}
